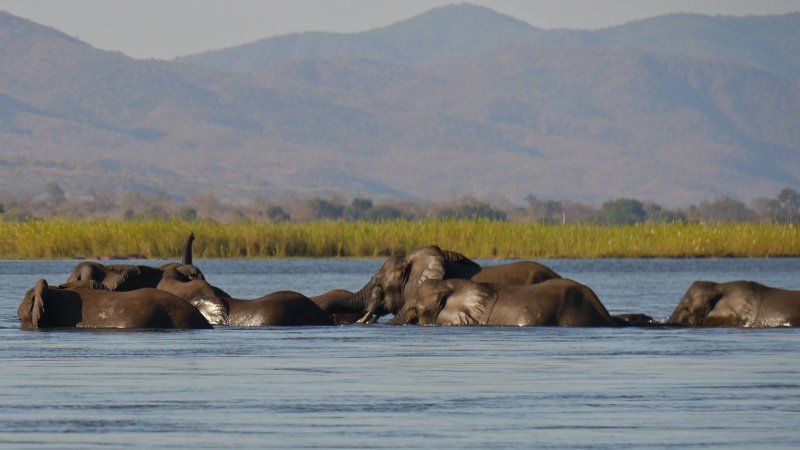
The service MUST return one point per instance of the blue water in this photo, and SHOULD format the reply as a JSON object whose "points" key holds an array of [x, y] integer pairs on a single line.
{"points": [[379, 386]]}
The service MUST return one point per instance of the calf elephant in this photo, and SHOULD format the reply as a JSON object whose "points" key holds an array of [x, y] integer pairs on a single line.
{"points": [[397, 281], [184, 280], [559, 302], [88, 304], [284, 308], [737, 304]]}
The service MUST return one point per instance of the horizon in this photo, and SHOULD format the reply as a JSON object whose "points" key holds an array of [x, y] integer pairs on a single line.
{"points": [[166, 29]]}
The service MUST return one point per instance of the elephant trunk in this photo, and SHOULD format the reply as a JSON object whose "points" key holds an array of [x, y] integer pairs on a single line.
{"points": [[356, 302], [187, 250]]}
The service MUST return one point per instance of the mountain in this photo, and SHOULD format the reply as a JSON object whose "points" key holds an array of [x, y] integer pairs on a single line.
{"points": [[450, 32], [443, 33], [458, 100]]}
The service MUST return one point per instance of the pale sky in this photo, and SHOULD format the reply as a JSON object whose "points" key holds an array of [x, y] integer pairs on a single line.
{"points": [[164, 29]]}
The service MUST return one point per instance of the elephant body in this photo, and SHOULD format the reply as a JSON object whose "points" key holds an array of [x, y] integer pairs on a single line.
{"points": [[558, 302], [737, 304], [397, 281], [284, 308], [91, 305]]}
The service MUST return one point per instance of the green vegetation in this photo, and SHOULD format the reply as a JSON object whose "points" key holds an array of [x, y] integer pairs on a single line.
{"points": [[483, 238]]}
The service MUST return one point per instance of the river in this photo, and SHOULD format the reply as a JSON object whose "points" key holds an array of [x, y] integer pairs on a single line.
{"points": [[388, 387]]}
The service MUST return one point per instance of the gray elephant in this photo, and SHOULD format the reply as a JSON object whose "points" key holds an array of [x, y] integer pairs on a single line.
{"points": [[284, 308], [737, 304], [559, 302], [397, 281], [88, 304], [184, 280]]}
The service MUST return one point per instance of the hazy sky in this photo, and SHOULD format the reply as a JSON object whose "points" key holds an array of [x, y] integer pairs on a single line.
{"points": [[167, 28]]}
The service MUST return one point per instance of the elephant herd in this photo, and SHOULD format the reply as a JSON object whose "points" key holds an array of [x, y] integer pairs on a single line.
{"points": [[425, 286]]}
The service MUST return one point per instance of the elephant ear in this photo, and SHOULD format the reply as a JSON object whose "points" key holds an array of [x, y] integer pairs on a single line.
{"points": [[738, 306], [426, 263], [468, 303], [37, 307], [215, 310]]}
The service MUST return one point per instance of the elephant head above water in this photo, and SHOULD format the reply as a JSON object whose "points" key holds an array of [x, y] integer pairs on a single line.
{"points": [[182, 279], [397, 281], [737, 304]]}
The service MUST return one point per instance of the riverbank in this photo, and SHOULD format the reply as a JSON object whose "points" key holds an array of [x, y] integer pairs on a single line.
{"points": [[67, 239]]}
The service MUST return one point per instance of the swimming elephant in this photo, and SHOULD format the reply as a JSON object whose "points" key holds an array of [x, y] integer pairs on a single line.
{"points": [[558, 302], [398, 279], [284, 308], [182, 279], [737, 304], [88, 304]]}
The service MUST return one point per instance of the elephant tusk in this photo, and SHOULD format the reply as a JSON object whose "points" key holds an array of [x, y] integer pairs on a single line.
{"points": [[366, 319]]}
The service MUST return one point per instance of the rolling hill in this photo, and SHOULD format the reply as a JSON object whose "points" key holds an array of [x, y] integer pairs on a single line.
{"points": [[675, 109]]}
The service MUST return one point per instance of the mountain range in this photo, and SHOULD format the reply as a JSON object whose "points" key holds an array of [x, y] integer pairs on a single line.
{"points": [[459, 100]]}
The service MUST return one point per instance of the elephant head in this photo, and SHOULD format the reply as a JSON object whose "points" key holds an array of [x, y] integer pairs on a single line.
{"points": [[127, 277], [398, 280], [695, 305], [736, 303], [453, 301], [186, 267]]}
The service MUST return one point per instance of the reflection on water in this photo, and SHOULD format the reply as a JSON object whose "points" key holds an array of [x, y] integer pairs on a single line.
{"points": [[380, 386]]}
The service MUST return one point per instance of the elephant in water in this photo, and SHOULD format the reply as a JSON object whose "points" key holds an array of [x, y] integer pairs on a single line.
{"points": [[284, 308], [737, 304], [558, 302], [184, 280], [88, 304], [397, 281]]}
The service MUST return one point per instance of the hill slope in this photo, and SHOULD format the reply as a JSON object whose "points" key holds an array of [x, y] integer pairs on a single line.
{"points": [[515, 118]]}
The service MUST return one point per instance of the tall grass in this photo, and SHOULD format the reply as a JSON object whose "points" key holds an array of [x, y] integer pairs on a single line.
{"points": [[59, 239]]}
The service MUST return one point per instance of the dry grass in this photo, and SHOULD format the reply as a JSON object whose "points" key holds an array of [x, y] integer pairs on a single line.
{"points": [[60, 239]]}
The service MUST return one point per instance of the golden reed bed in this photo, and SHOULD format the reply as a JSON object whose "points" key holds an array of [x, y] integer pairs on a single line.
{"points": [[64, 239]]}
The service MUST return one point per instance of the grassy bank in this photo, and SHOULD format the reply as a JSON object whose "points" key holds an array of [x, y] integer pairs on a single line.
{"points": [[56, 239]]}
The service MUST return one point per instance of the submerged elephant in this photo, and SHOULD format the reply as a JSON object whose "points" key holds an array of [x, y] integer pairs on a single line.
{"points": [[737, 304], [88, 304], [559, 302], [284, 308], [397, 281], [182, 279]]}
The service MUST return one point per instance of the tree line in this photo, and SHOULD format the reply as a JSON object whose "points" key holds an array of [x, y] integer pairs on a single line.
{"points": [[54, 202]]}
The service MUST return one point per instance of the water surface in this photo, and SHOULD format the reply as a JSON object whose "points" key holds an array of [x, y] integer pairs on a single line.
{"points": [[381, 386]]}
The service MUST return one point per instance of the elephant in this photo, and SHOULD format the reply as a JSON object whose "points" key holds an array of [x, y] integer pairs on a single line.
{"points": [[741, 303], [556, 302], [396, 282], [89, 304], [284, 308], [184, 280]]}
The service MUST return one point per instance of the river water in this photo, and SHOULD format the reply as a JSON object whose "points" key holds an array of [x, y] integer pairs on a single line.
{"points": [[387, 387]]}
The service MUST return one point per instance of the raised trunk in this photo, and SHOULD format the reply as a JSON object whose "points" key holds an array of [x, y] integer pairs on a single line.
{"points": [[187, 250]]}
